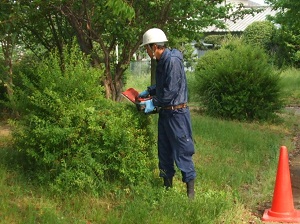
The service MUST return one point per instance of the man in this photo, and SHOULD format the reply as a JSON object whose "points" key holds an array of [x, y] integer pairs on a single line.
{"points": [[175, 141]]}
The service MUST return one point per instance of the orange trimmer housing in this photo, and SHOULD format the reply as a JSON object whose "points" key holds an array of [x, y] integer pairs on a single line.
{"points": [[132, 95]]}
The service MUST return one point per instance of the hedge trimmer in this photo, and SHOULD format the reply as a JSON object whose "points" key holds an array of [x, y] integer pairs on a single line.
{"points": [[133, 96]]}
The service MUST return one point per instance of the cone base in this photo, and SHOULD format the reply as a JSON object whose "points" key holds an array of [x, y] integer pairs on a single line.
{"points": [[271, 216]]}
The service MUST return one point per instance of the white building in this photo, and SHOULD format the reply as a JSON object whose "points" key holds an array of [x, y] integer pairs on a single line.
{"points": [[238, 26]]}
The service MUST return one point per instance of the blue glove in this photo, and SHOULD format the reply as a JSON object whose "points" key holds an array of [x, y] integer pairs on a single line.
{"points": [[149, 106], [144, 94]]}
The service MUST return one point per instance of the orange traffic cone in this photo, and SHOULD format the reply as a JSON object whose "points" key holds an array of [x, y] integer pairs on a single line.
{"points": [[282, 209]]}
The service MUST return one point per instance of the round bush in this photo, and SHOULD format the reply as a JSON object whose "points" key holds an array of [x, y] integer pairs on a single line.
{"points": [[236, 82], [260, 34]]}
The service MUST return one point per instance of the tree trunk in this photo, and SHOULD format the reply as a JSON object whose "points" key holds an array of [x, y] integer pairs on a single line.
{"points": [[7, 48], [118, 84], [113, 83]]}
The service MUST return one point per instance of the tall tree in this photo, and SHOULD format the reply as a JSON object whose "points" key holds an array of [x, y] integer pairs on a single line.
{"points": [[8, 40], [101, 26], [42, 25], [287, 16], [30, 24]]}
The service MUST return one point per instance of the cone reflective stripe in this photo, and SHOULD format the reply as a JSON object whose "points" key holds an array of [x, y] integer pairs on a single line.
{"points": [[282, 209]]}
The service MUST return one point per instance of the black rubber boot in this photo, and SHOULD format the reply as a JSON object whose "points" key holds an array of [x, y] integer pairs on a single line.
{"points": [[168, 182], [190, 189]]}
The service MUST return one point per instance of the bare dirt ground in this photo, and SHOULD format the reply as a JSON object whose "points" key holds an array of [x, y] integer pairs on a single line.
{"points": [[295, 160], [295, 176], [4, 130]]}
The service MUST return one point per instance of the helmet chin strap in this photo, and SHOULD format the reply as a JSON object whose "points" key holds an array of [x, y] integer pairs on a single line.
{"points": [[154, 57], [153, 53]]}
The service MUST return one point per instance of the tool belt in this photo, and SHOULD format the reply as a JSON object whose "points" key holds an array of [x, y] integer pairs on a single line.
{"points": [[179, 106]]}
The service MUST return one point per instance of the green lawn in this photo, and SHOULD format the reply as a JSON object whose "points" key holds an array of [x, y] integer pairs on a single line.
{"points": [[236, 167]]}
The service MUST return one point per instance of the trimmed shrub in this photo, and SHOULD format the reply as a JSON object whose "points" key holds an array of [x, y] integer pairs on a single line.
{"points": [[260, 34], [236, 82], [72, 137]]}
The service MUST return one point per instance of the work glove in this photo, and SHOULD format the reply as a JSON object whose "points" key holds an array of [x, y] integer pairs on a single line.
{"points": [[144, 94], [149, 107]]}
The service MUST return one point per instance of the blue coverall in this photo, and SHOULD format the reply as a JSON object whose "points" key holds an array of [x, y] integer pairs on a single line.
{"points": [[175, 142]]}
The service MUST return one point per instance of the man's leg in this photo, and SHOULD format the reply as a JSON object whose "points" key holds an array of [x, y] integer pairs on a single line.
{"points": [[165, 155], [183, 147]]}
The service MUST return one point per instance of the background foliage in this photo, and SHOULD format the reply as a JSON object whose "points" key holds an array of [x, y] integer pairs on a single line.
{"points": [[98, 27], [287, 19]]}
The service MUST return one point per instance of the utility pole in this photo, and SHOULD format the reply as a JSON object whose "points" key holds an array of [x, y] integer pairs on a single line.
{"points": [[153, 70]]}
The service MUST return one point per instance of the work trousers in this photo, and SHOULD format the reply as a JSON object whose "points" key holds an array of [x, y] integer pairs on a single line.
{"points": [[175, 144]]}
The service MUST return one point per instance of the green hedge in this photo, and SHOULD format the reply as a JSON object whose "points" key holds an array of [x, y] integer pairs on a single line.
{"points": [[74, 139]]}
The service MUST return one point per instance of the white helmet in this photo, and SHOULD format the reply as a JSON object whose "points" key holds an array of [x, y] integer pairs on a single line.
{"points": [[154, 36]]}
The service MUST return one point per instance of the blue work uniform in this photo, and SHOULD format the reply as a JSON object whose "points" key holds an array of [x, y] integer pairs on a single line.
{"points": [[175, 142]]}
